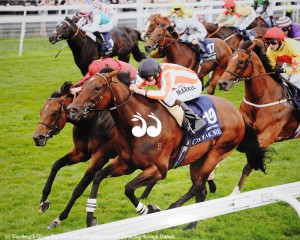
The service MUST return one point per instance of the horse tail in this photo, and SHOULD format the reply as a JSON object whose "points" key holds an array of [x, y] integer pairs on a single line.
{"points": [[136, 52], [250, 146]]}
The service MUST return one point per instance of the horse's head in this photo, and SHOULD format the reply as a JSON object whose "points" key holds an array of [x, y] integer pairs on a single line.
{"points": [[160, 36], [97, 94], [240, 66], [53, 116], [64, 30], [154, 21]]}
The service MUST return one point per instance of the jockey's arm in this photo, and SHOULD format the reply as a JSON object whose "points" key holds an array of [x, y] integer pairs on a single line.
{"points": [[93, 26], [265, 6], [81, 22]]}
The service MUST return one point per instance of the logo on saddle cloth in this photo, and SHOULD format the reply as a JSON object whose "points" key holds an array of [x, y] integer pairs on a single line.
{"points": [[210, 49]]}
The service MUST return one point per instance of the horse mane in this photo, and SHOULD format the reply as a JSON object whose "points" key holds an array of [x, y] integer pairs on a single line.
{"points": [[123, 76], [64, 89]]}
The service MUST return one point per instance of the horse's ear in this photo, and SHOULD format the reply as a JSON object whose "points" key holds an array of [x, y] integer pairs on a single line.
{"points": [[113, 73], [67, 18], [250, 48]]}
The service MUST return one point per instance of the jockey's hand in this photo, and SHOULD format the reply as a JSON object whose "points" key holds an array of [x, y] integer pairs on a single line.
{"points": [[75, 85], [134, 87], [258, 15], [195, 42], [284, 58], [278, 71], [221, 25]]}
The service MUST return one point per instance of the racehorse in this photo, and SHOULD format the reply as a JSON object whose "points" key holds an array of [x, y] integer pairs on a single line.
{"points": [[153, 147], [181, 53], [229, 34], [85, 50], [93, 137], [267, 105]]}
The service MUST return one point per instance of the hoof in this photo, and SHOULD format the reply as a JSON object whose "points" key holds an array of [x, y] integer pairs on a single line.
{"points": [[236, 191], [190, 226], [153, 208], [212, 186], [44, 206], [91, 222], [54, 224]]}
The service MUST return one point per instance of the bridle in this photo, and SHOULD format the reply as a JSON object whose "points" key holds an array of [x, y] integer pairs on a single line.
{"points": [[78, 31], [158, 41], [54, 130], [108, 84]]}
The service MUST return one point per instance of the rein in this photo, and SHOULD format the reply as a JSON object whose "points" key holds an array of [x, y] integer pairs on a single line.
{"points": [[239, 77], [108, 84], [54, 130], [218, 29]]}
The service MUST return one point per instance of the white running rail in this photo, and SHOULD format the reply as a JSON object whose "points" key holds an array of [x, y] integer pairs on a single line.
{"points": [[186, 214]]}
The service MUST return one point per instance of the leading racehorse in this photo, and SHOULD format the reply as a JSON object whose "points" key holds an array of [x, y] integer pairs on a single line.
{"points": [[85, 50], [267, 105], [153, 147], [166, 39]]}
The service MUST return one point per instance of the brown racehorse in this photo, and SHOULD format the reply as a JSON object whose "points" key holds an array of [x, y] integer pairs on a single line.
{"points": [[266, 106], [94, 138], [155, 153], [181, 53], [85, 50], [229, 35]]}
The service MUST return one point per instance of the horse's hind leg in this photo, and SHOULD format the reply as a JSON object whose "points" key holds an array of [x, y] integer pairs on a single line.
{"points": [[69, 159]]}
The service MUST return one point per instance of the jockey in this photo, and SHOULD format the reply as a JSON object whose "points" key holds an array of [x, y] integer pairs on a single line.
{"points": [[192, 31], [284, 54], [106, 9], [176, 84], [94, 22], [99, 64], [241, 17], [265, 6], [290, 29], [180, 11]]}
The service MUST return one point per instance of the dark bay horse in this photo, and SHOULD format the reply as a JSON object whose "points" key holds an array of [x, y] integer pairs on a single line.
{"points": [[94, 138], [85, 50], [229, 35], [155, 154], [164, 38], [267, 105]]}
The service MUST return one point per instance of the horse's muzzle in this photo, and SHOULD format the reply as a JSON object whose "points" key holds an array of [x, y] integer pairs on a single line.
{"points": [[148, 48], [223, 85], [40, 140], [73, 113]]}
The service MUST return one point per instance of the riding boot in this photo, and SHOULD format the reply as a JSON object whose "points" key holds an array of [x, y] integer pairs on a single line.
{"points": [[195, 122], [201, 47], [245, 34]]}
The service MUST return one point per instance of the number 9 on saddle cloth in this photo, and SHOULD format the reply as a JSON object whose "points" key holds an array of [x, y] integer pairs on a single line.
{"points": [[105, 42]]}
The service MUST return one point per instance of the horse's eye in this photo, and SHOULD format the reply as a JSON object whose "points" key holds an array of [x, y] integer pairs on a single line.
{"points": [[241, 62], [98, 88]]}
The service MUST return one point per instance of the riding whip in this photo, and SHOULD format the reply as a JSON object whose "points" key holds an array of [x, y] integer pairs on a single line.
{"points": [[63, 46]]}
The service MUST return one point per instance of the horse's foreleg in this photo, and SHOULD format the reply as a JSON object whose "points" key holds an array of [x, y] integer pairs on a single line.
{"points": [[68, 159], [245, 173], [118, 167], [222, 65], [95, 165], [147, 191], [149, 176]]}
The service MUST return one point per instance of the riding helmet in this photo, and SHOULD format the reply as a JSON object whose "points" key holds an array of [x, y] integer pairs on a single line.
{"points": [[274, 33], [284, 22], [149, 67], [84, 12], [229, 4]]}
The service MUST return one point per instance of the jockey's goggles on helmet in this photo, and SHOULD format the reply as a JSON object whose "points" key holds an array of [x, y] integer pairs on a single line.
{"points": [[285, 29], [272, 42], [177, 9]]}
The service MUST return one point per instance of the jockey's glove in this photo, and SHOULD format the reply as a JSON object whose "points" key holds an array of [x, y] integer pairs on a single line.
{"points": [[278, 71]]}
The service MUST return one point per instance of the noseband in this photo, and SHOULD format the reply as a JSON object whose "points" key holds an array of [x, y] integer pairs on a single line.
{"points": [[54, 130]]}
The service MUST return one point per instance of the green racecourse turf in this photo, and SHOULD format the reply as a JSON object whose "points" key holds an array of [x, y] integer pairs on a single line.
{"points": [[27, 81]]}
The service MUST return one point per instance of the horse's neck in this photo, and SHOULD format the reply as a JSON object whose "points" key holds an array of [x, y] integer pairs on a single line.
{"points": [[262, 89]]}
